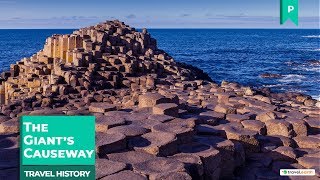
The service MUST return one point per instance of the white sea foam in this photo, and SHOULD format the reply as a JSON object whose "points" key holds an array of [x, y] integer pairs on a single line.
{"points": [[312, 69], [273, 85], [316, 97], [312, 36], [295, 90], [316, 69], [312, 49], [292, 78]]}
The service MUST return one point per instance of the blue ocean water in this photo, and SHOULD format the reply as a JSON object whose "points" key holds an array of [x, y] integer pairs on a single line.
{"points": [[239, 55]]}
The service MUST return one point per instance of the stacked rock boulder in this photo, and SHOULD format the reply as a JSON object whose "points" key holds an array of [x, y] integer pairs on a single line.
{"points": [[156, 118]]}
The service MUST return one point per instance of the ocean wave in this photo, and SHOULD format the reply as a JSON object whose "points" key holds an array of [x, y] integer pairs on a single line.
{"points": [[308, 49], [314, 62], [312, 69], [290, 78], [317, 97], [272, 85], [316, 69], [309, 65], [291, 63], [295, 90], [312, 36]]}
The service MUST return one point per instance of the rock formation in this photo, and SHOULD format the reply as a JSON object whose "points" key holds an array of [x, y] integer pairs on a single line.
{"points": [[156, 118]]}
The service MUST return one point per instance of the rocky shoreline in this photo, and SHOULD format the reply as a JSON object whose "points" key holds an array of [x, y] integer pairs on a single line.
{"points": [[157, 118]]}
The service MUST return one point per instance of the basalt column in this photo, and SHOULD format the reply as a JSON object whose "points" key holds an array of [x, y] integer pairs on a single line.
{"points": [[2, 95]]}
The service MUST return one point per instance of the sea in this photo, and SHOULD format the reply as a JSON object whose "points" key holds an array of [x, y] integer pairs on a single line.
{"points": [[237, 55]]}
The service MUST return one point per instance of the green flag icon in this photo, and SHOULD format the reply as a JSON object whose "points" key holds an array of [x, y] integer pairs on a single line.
{"points": [[289, 10]]}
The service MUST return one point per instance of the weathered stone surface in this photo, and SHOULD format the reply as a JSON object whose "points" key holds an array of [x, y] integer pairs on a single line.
{"points": [[108, 143], [279, 127], [118, 114], [159, 165], [211, 117], [189, 122], [106, 167], [296, 114], [183, 132], [283, 153], [128, 130], [259, 159], [204, 129], [103, 123], [225, 109], [309, 162], [237, 117], [9, 127], [246, 137], [173, 176], [4, 118], [266, 116], [313, 124], [193, 164], [160, 117], [299, 127], [9, 152], [267, 147], [223, 97], [146, 123], [101, 107], [226, 147], [255, 125], [307, 152], [130, 157], [136, 116], [151, 99], [47, 112], [210, 157], [315, 136], [156, 143], [227, 151], [125, 175], [278, 140], [169, 109], [307, 142]]}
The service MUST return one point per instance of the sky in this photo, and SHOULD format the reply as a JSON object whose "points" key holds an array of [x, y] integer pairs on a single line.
{"points": [[72, 14]]}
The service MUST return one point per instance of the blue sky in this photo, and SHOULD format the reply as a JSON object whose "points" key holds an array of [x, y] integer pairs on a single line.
{"points": [[153, 14]]}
